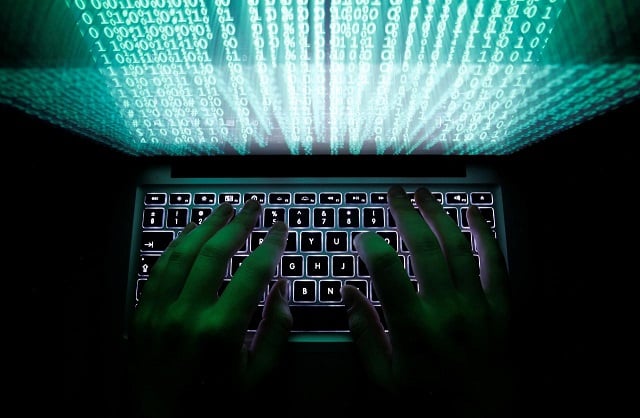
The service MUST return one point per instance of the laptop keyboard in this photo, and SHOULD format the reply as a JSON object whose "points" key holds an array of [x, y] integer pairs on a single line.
{"points": [[319, 257]]}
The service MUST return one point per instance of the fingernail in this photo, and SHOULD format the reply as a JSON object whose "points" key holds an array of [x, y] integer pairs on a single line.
{"points": [[347, 297], [396, 191], [424, 194], [189, 227], [252, 204], [356, 241], [283, 285], [225, 209], [473, 212], [279, 227]]}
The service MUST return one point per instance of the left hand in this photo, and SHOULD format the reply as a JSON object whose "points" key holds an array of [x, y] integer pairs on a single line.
{"points": [[186, 339]]}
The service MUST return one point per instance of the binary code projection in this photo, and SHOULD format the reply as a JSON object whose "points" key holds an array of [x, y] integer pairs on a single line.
{"points": [[208, 77]]}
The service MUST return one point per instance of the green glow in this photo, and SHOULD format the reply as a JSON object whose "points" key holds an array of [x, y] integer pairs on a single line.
{"points": [[196, 77]]}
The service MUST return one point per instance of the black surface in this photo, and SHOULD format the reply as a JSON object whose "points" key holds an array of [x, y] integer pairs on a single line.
{"points": [[572, 244], [316, 165]]}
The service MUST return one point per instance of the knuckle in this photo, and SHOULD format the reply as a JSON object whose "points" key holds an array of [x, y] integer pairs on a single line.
{"points": [[382, 259], [425, 244], [257, 266], [214, 251], [175, 322], [178, 256]]}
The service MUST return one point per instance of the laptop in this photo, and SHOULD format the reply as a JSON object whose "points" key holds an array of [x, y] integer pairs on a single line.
{"points": [[324, 212], [315, 109]]}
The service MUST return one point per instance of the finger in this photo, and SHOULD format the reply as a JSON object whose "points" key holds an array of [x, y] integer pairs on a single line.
{"points": [[210, 226], [148, 297], [427, 258], [242, 294], [456, 248], [369, 338], [175, 263], [183, 234], [272, 334], [397, 296], [211, 262], [493, 267], [162, 261], [153, 286]]}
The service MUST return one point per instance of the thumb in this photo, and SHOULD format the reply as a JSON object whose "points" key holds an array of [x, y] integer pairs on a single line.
{"points": [[369, 337], [272, 334]]}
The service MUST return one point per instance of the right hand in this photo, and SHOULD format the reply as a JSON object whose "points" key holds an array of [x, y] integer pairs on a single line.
{"points": [[449, 339]]}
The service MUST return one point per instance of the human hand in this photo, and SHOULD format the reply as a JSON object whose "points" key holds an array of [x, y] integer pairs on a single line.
{"points": [[185, 339], [450, 338]]}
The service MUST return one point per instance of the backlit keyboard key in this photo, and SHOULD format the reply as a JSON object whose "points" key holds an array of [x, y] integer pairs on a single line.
{"points": [[319, 256], [180, 198], [155, 198]]}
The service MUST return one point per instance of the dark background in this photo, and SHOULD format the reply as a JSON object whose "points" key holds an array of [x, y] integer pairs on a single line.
{"points": [[572, 243]]}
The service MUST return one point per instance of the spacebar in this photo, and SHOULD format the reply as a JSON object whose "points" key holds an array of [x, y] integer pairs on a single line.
{"points": [[319, 318], [312, 318]]}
